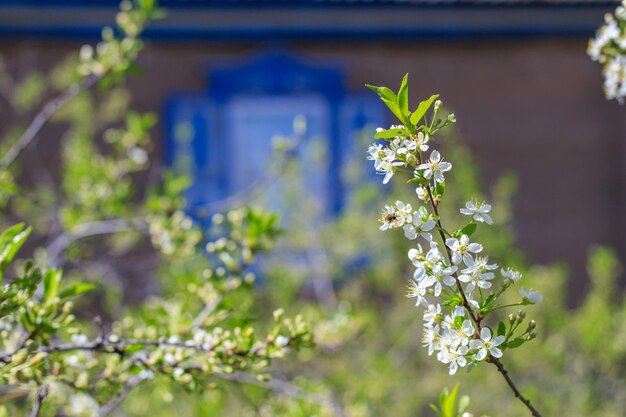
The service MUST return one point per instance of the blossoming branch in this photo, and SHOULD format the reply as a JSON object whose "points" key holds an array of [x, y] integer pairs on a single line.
{"points": [[454, 282]]}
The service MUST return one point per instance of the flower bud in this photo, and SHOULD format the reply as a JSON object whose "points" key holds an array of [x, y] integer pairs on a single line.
{"points": [[532, 325], [512, 318], [506, 283], [521, 315], [451, 118], [278, 314], [532, 334], [438, 104], [19, 357], [411, 160]]}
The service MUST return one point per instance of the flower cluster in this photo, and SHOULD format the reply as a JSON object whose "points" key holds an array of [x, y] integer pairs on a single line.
{"points": [[454, 281], [116, 54], [609, 49]]}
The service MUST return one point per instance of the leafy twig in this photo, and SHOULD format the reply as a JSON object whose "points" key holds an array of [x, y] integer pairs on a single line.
{"points": [[48, 110]]}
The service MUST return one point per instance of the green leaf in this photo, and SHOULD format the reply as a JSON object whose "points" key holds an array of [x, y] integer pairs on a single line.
{"points": [[383, 92], [51, 282], [501, 328], [421, 110], [441, 187], [517, 342], [436, 410], [11, 240], [403, 97], [77, 289], [390, 133], [449, 409], [488, 301], [467, 230], [395, 109]]}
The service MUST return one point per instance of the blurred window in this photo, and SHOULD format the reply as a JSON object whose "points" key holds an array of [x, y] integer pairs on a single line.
{"points": [[225, 140]]}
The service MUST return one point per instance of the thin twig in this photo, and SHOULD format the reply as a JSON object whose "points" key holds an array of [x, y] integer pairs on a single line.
{"points": [[260, 184], [41, 395], [43, 116], [517, 393], [104, 227], [110, 406], [285, 388], [206, 312]]}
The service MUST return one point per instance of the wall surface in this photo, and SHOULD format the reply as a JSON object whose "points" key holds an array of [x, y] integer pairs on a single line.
{"points": [[531, 106]]}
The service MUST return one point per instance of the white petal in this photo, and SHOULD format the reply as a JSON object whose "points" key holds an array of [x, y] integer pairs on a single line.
{"points": [[475, 344], [485, 334], [453, 368], [498, 340], [495, 352]]}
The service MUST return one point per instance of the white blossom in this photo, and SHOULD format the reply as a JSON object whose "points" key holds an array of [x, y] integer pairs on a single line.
{"points": [[609, 48], [82, 405], [422, 194], [433, 315], [455, 357], [465, 332], [376, 154], [421, 141], [478, 212], [396, 216], [462, 249], [486, 344], [418, 292], [387, 167], [511, 274], [431, 339], [421, 225], [435, 167], [531, 296]]}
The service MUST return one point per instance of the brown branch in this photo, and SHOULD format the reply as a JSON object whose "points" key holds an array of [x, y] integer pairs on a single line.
{"points": [[516, 391], [48, 110], [476, 320], [41, 395]]}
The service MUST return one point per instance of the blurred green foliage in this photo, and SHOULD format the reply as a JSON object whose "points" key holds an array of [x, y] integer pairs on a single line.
{"points": [[117, 286], [155, 272], [348, 279]]}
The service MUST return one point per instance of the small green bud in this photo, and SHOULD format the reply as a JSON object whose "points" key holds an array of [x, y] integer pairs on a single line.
{"points": [[532, 334], [438, 105], [506, 283], [532, 325], [19, 357], [521, 315], [512, 318], [278, 314]]}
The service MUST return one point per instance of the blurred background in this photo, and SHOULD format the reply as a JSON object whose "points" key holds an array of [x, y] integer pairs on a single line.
{"points": [[234, 82], [226, 76]]}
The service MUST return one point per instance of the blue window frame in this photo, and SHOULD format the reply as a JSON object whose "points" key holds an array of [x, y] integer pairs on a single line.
{"points": [[224, 139]]}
